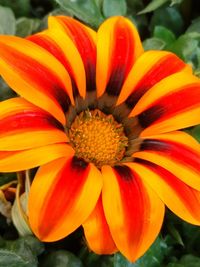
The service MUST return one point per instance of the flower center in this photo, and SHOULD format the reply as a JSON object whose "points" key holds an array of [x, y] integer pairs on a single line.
{"points": [[98, 138]]}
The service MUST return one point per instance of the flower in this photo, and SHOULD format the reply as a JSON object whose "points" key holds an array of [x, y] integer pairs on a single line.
{"points": [[100, 117]]}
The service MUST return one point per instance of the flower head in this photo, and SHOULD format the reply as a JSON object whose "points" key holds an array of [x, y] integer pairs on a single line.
{"points": [[100, 117]]}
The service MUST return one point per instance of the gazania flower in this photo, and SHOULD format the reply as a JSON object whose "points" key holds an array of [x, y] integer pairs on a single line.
{"points": [[100, 117]]}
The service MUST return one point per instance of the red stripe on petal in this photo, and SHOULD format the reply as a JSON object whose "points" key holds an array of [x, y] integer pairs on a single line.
{"points": [[130, 188], [178, 152], [70, 189], [184, 192], [60, 198], [133, 212], [85, 45], [166, 66], [37, 74], [51, 46], [28, 119], [171, 105], [122, 58]]}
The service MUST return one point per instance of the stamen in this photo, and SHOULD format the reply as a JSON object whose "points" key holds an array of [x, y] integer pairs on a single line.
{"points": [[98, 138]]}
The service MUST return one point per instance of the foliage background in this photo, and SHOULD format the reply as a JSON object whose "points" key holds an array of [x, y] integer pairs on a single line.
{"points": [[172, 25]]}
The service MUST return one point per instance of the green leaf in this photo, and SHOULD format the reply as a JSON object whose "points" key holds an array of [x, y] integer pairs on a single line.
{"points": [[34, 244], [18, 253], [113, 8], [175, 233], [170, 18], [153, 44], [7, 21], [153, 5], [26, 26], [190, 261], [12, 259], [85, 10], [184, 47], [175, 265], [195, 26], [195, 132], [90, 259], [175, 2], [152, 258], [164, 34], [5, 91], [61, 258], [20, 7], [186, 261], [5, 178]]}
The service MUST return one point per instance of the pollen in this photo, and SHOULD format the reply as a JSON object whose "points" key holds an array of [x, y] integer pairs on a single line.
{"points": [[98, 138]]}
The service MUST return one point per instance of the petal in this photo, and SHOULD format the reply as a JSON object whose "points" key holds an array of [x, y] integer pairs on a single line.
{"points": [[177, 152], [150, 68], [62, 196], [133, 211], [24, 126], [36, 75], [56, 42], [97, 232], [27, 159], [171, 104], [118, 47], [183, 200], [84, 39]]}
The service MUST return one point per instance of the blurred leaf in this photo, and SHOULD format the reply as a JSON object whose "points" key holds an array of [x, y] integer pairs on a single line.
{"points": [[7, 21], [12, 259], [195, 26], [20, 7], [184, 47], [186, 261], [26, 26], [35, 245], [152, 258], [99, 3], [61, 258], [153, 44], [190, 261], [113, 8], [153, 5], [175, 233], [168, 17], [20, 253], [195, 132], [174, 265], [164, 34], [90, 259], [85, 10], [175, 2], [5, 178], [5, 91]]}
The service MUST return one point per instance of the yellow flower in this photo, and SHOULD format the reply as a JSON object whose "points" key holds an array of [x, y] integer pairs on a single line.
{"points": [[100, 117]]}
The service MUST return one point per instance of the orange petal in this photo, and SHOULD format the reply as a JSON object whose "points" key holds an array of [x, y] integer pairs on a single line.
{"points": [[133, 211], [183, 200], [62, 196], [97, 232], [149, 69], [27, 159], [84, 39], [176, 152], [24, 126], [171, 104], [56, 41], [36, 75], [118, 47]]}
